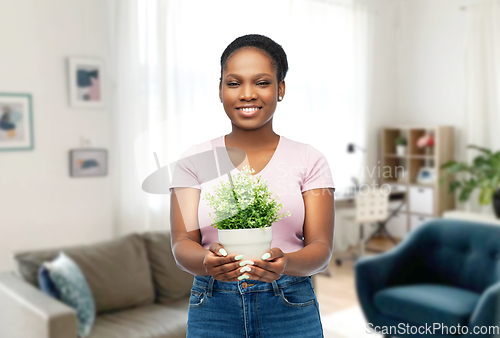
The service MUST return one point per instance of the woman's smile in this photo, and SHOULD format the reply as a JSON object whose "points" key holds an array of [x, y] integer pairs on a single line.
{"points": [[248, 111]]}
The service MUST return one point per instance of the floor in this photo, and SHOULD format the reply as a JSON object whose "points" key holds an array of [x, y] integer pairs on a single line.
{"points": [[341, 315], [337, 292]]}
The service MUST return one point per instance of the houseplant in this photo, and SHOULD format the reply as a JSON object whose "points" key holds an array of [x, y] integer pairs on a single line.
{"points": [[244, 212], [483, 173], [400, 145]]}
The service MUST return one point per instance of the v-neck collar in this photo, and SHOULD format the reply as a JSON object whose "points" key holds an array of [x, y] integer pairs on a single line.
{"points": [[268, 163]]}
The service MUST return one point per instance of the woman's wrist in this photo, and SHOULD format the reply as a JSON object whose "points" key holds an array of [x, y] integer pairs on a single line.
{"points": [[307, 261]]}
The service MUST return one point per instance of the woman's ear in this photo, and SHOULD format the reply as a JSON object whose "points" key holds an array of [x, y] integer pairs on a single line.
{"points": [[281, 89]]}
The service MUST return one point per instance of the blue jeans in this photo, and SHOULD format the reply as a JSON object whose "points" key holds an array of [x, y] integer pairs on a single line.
{"points": [[249, 308]]}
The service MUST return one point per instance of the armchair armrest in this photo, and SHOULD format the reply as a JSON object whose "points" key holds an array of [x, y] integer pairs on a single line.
{"points": [[374, 273], [26, 312], [487, 312]]}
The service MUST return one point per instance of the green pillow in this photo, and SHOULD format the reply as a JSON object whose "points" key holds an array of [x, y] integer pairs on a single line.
{"points": [[74, 290]]}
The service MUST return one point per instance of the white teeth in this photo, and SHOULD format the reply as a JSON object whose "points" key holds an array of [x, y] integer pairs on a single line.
{"points": [[249, 109]]}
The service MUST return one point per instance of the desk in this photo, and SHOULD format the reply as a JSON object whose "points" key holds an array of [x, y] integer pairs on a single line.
{"points": [[471, 216], [347, 230]]}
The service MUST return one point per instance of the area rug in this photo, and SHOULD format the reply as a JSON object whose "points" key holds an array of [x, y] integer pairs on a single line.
{"points": [[348, 323]]}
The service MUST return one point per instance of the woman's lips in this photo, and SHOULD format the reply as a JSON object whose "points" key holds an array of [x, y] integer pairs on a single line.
{"points": [[248, 112]]}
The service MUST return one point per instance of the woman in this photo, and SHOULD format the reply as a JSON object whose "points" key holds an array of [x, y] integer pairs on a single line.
{"points": [[272, 296]]}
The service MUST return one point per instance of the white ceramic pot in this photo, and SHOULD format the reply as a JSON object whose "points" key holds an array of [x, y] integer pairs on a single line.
{"points": [[251, 243], [400, 150]]}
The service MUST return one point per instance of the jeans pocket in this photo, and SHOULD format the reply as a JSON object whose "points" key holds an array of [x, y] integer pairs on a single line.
{"points": [[197, 297], [298, 295]]}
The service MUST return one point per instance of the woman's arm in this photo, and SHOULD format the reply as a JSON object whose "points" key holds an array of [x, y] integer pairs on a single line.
{"points": [[318, 242], [318, 235], [184, 230], [186, 240]]}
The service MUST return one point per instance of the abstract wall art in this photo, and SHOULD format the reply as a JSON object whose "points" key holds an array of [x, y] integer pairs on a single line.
{"points": [[88, 162], [16, 122], [86, 84]]}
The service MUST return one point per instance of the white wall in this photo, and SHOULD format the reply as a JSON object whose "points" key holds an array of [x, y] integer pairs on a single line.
{"points": [[419, 75], [40, 205], [431, 41]]}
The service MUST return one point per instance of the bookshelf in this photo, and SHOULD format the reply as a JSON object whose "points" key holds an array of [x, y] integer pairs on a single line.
{"points": [[418, 172]]}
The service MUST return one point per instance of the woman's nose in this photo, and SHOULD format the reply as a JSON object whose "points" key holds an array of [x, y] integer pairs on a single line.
{"points": [[248, 93]]}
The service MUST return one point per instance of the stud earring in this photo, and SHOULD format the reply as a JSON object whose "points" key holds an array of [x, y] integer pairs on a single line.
{"points": [[220, 100], [280, 98]]}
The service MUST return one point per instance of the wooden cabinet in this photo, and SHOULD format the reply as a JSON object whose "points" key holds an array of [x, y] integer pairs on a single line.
{"points": [[417, 171]]}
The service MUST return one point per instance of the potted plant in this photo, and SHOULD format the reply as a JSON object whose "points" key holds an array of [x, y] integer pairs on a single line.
{"points": [[483, 173], [400, 145], [244, 212]]}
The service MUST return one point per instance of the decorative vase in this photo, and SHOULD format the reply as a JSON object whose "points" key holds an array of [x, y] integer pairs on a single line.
{"points": [[496, 203], [400, 150], [251, 243]]}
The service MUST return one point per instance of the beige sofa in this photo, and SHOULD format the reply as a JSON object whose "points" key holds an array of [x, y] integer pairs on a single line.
{"points": [[138, 289]]}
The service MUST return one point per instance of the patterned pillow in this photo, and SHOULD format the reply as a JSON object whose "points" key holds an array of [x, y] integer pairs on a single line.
{"points": [[46, 284], [74, 290]]}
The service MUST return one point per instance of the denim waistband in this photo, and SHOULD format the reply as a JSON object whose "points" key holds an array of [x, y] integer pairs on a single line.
{"points": [[212, 284]]}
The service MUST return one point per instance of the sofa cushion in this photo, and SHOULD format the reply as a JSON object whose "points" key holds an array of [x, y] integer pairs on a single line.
{"points": [[427, 303], [149, 321], [170, 281], [74, 290], [117, 271]]}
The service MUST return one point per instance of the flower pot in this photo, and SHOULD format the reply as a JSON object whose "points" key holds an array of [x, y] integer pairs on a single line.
{"points": [[251, 243], [496, 203], [400, 150]]}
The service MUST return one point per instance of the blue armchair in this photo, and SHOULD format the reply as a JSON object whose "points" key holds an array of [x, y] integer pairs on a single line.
{"points": [[445, 273]]}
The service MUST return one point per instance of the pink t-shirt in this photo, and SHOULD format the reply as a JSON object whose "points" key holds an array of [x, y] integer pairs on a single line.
{"points": [[294, 168]]}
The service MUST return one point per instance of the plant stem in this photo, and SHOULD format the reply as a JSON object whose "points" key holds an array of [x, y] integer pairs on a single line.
{"points": [[234, 193]]}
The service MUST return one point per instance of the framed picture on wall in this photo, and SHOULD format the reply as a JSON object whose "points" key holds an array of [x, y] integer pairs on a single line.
{"points": [[86, 87], [16, 122], [88, 162]]}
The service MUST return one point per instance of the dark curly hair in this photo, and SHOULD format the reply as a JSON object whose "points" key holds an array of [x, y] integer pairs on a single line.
{"points": [[274, 51]]}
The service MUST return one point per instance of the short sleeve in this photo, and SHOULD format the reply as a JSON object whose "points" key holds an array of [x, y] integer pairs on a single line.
{"points": [[318, 173], [184, 171]]}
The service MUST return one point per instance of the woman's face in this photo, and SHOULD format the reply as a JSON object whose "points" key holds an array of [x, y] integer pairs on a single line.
{"points": [[249, 89]]}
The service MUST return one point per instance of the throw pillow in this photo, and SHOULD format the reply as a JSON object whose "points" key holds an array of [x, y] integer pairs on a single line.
{"points": [[46, 283], [74, 290]]}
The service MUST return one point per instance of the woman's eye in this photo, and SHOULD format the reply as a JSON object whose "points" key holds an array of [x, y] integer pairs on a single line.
{"points": [[263, 83], [232, 83]]}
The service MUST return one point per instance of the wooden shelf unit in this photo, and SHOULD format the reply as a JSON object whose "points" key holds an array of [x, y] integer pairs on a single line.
{"points": [[423, 201]]}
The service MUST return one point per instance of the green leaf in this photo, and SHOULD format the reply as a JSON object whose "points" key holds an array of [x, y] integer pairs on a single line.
{"points": [[448, 164], [454, 185], [456, 167], [484, 150], [465, 193], [486, 195]]}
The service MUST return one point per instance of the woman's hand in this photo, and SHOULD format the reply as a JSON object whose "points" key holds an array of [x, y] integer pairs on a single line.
{"points": [[267, 269], [220, 265]]}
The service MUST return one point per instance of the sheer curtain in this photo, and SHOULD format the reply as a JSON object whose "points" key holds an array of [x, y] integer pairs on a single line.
{"points": [[482, 84], [167, 79]]}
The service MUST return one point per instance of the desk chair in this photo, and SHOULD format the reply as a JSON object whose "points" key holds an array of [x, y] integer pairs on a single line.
{"points": [[382, 225], [371, 207]]}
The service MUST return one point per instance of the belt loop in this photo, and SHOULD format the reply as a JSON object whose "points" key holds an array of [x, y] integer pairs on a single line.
{"points": [[275, 288], [210, 286]]}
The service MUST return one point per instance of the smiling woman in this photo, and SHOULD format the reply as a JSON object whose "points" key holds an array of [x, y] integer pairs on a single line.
{"points": [[253, 69]]}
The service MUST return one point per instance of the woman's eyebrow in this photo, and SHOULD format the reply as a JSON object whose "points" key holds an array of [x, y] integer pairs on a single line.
{"points": [[256, 75]]}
